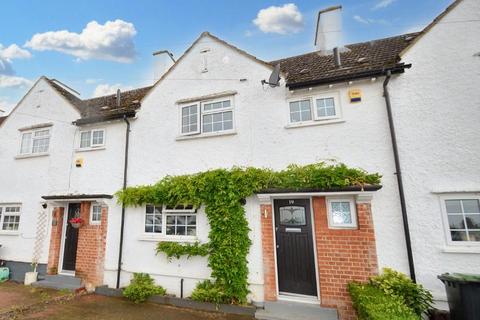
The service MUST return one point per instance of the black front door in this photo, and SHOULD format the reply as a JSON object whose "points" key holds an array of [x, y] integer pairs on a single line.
{"points": [[71, 239], [295, 257]]}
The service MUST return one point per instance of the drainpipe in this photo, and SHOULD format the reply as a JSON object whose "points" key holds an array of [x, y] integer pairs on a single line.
{"points": [[122, 225], [399, 176]]}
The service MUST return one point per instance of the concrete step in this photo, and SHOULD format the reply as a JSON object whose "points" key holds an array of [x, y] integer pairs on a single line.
{"points": [[59, 282], [282, 310], [58, 278]]}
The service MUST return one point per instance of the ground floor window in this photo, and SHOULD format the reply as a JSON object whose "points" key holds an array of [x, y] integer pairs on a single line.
{"points": [[463, 218], [96, 214], [341, 213], [9, 217], [171, 221]]}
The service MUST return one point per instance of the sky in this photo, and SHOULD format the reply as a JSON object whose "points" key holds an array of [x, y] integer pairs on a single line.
{"points": [[97, 46]]}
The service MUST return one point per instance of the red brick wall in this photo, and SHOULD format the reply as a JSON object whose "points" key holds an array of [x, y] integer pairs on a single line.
{"points": [[343, 255], [91, 247], [269, 267], [55, 241]]}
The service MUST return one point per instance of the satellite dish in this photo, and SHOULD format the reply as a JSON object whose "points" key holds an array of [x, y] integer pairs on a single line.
{"points": [[274, 79]]}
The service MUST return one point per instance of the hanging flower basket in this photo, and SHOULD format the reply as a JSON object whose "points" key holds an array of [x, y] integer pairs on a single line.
{"points": [[76, 222]]}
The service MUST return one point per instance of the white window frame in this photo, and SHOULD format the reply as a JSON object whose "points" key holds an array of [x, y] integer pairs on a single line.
{"points": [[96, 222], [313, 104], [170, 211], [186, 105], [446, 224], [353, 211], [3, 213], [32, 139], [92, 145], [201, 112]]}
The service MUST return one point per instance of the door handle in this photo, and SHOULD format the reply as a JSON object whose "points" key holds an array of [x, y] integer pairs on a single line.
{"points": [[278, 246]]}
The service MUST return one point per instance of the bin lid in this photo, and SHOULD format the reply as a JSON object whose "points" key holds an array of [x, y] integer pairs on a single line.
{"points": [[460, 277]]}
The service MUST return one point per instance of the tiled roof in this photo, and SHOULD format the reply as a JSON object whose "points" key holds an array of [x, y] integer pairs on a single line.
{"points": [[103, 108], [360, 60]]}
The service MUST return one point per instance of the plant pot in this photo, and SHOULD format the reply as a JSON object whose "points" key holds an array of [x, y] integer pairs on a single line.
{"points": [[76, 225], [30, 277]]}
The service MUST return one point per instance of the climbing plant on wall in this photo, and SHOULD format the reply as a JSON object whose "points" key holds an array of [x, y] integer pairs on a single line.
{"points": [[222, 192]]}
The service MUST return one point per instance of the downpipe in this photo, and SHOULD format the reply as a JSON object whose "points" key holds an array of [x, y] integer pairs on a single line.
{"points": [[122, 224], [398, 173]]}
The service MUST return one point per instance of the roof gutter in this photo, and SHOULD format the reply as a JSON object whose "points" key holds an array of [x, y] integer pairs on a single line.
{"points": [[399, 68], [122, 224], [398, 170]]}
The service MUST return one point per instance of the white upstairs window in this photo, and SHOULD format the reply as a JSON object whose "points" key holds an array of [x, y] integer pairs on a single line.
{"points": [[92, 138], [35, 141], [207, 117], [314, 108]]}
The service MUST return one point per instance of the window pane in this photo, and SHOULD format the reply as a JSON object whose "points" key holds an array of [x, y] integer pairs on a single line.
{"points": [[325, 107], [170, 230], [170, 219], [41, 133], [471, 206], [148, 228], [300, 111], [149, 209], [473, 221], [97, 137], [85, 139], [191, 231], [474, 235], [341, 213], [453, 206], [456, 222], [181, 220], [192, 220], [26, 143], [181, 230], [40, 145], [292, 215], [153, 219], [189, 119], [459, 236]]}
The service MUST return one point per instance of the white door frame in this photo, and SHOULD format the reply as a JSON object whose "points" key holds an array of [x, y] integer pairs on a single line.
{"points": [[295, 297]]}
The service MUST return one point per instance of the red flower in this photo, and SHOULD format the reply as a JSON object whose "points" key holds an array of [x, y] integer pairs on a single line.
{"points": [[75, 220]]}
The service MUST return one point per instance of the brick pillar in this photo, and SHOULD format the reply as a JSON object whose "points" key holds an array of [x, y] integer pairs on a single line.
{"points": [[269, 268], [343, 255], [91, 247], [55, 240]]}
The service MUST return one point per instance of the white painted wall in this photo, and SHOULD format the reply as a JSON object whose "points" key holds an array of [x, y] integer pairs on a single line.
{"points": [[26, 180], [436, 110], [261, 140]]}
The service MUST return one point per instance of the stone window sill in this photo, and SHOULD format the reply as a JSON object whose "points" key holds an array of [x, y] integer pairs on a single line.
{"points": [[9, 233], [89, 149], [206, 135], [461, 249], [313, 123], [33, 155], [167, 239]]}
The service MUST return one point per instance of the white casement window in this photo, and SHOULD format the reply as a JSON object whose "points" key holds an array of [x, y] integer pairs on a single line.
{"points": [[207, 117], [462, 215], [92, 138], [35, 141], [314, 108], [179, 221], [341, 213], [96, 214], [9, 217]]}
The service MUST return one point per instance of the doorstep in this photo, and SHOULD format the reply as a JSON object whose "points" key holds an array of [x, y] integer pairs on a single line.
{"points": [[283, 310], [60, 282]]}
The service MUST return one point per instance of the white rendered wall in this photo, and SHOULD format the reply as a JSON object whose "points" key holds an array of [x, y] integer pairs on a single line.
{"points": [[26, 180], [261, 140], [437, 114]]}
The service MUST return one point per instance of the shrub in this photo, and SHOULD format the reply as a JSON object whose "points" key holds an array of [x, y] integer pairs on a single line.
{"points": [[207, 291], [372, 303], [396, 284], [141, 288], [176, 250]]}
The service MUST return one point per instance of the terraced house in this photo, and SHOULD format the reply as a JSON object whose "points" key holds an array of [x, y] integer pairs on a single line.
{"points": [[361, 104]]}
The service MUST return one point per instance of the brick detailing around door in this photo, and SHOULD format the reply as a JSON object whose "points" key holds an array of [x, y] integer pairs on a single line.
{"points": [[55, 240], [343, 255], [269, 268], [91, 247]]}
